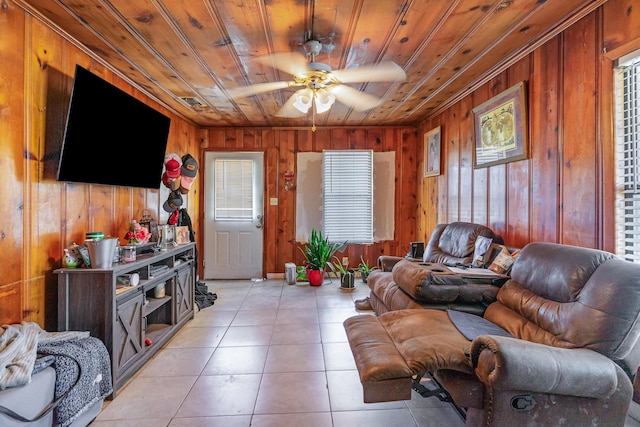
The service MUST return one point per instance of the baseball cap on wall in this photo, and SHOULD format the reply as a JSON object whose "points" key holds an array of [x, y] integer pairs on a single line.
{"points": [[172, 164], [185, 184], [189, 166], [173, 202]]}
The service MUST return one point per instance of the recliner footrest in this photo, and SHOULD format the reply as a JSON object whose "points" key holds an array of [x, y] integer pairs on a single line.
{"points": [[384, 374], [391, 349]]}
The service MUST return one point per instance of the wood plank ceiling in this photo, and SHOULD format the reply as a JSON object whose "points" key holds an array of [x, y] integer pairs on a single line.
{"points": [[185, 51]]}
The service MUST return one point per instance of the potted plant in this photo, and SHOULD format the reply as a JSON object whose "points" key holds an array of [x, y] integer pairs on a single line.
{"points": [[318, 253], [365, 269], [347, 275]]}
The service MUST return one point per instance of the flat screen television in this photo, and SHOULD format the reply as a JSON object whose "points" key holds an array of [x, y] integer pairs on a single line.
{"points": [[110, 137]]}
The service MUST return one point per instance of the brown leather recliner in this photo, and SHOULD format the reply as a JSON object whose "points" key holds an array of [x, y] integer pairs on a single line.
{"points": [[449, 244], [402, 283], [558, 347]]}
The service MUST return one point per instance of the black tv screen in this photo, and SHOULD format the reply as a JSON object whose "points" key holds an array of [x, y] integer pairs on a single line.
{"points": [[111, 138]]}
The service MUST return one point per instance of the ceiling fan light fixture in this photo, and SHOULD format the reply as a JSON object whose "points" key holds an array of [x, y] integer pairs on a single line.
{"points": [[303, 99], [324, 100]]}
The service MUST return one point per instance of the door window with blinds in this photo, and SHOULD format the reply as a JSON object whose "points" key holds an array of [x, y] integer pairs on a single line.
{"points": [[347, 195], [233, 189], [628, 157]]}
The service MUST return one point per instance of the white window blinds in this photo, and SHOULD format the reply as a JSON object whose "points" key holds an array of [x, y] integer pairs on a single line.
{"points": [[347, 187], [628, 160], [233, 188]]}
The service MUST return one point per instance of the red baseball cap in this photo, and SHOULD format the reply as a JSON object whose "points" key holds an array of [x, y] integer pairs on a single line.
{"points": [[172, 163]]}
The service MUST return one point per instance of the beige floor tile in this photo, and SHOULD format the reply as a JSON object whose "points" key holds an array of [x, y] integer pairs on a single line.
{"points": [[345, 393], [212, 316], [258, 302], [297, 315], [333, 332], [255, 317], [221, 395], [198, 337], [292, 392], [338, 356], [237, 360], [301, 333], [294, 358], [376, 418], [336, 315], [221, 421], [177, 362], [148, 397], [247, 335], [147, 422], [314, 419]]}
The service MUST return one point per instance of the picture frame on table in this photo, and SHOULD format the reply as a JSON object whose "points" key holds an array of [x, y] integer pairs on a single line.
{"points": [[432, 146], [182, 235], [501, 128]]}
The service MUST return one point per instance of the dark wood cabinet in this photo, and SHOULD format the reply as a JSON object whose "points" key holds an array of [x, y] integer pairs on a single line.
{"points": [[124, 317]]}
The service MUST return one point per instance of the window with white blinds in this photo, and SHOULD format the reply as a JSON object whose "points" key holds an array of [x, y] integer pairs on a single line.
{"points": [[233, 189], [628, 159], [347, 195]]}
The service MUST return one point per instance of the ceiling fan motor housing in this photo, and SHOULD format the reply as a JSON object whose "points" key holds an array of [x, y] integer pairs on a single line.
{"points": [[313, 47]]}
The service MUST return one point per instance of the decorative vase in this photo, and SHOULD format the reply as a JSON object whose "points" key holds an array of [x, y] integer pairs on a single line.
{"points": [[316, 277]]}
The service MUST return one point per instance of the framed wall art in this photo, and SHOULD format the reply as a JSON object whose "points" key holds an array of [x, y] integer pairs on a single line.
{"points": [[501, 128], [431, 163]]}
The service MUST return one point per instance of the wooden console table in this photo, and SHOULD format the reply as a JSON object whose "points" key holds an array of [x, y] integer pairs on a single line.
{"points": [[124, 318]]}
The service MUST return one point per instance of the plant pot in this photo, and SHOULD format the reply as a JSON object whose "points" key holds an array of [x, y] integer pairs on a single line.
{"points": [[316, 277], [347, 280], [365, 275]]}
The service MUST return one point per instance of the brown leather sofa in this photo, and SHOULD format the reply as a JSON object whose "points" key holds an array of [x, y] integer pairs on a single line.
{"points": [[559, 346], [401, 283]]}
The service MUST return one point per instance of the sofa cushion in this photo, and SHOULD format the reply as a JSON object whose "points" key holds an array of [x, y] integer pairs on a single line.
{"points": [[472, 326]]}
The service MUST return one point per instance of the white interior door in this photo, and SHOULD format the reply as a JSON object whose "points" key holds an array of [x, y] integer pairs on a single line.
{"points": [[234, 208]]}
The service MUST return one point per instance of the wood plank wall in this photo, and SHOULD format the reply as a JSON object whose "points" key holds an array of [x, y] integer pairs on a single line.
{"points": [[564, 192], [281, 146], [41, 216]]}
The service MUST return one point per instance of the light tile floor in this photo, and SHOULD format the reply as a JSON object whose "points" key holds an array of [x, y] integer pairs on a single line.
{"points": [[265, 354]]}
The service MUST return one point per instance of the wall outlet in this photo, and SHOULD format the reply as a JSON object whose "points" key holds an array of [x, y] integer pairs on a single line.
{"points": [[345, 260]]}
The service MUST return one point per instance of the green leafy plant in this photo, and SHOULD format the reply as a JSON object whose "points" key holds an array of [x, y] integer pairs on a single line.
{"points": [[340, 267], [319, 252], [365, 269]]}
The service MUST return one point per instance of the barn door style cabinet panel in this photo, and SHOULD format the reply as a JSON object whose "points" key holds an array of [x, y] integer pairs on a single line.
{"points": [[134, 320]]}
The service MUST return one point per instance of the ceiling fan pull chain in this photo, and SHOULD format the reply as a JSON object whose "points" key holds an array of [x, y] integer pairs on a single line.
{"points": [[313, 114]]}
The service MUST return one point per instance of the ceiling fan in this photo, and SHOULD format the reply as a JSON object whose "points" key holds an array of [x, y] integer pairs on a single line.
{"points": [[320, 85]]}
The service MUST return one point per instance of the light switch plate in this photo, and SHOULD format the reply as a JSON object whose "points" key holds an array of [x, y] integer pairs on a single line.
{"points": [[273, 201]]}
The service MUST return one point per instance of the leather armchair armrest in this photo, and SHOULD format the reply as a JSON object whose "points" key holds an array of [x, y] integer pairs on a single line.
{"points": [[515, 364]]}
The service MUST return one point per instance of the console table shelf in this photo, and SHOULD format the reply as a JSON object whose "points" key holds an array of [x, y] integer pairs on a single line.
{"points": [[123, 318]]}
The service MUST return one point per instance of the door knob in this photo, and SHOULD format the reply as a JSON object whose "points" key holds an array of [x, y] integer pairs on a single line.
{"points": [[259, 223]]}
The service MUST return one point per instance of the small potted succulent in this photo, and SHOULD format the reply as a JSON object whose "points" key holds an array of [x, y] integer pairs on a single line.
{"points": [[347, 275], [365, 269]]}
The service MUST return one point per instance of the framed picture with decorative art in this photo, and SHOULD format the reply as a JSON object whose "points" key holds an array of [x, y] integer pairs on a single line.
{"points": [[432, 153], [501, 128]]}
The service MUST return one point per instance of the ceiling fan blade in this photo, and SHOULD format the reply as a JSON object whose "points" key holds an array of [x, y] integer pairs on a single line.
{"points": [[244, 91], [288, 110], [289, 62], [383, 72], [355, 99]]}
